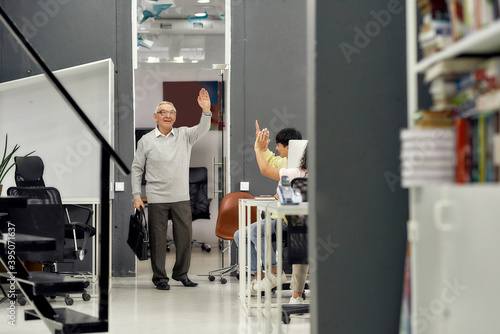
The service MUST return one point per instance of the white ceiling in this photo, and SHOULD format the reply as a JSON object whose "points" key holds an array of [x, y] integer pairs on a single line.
{"points": [[167, 34], [181, 9]]}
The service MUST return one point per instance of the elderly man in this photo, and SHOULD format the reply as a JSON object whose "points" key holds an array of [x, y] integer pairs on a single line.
{"points": [[164, 155]]}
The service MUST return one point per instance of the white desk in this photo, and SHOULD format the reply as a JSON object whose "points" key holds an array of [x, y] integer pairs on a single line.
{"points": [[244, 210], [245, 206], [268, 207], [279, 210]]}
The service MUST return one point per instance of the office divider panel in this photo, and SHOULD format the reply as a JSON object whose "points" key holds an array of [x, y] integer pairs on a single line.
{"points": [[36, 117]]}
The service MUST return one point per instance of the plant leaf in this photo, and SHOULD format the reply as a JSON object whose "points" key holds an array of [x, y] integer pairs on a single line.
{"points": [[6, 158], [2, 173]]}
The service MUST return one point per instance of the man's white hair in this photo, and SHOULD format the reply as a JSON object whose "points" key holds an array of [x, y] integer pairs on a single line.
{"points": [[165, 102]]}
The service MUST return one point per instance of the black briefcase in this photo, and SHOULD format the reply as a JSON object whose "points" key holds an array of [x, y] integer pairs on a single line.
{"points": [[138, 236]]}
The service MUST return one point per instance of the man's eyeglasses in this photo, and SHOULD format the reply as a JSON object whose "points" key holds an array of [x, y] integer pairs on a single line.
{"points": [[165, 112]]}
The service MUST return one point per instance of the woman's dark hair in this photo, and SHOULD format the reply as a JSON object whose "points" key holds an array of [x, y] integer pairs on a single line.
{"points": [[303, 160]]}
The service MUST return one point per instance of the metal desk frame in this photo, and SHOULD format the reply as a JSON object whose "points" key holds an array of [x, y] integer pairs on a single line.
{"points": [[269, 208]]}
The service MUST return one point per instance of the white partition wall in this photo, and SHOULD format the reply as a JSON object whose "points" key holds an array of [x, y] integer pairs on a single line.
{"points": [[37, 118]]}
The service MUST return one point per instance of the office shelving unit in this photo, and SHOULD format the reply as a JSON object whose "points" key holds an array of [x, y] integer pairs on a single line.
{"points": [[452, 229]]}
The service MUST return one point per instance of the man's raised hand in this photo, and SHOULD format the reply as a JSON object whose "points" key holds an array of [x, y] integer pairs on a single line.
{"points": [[257, 129], [204, 100], [262, 140]]}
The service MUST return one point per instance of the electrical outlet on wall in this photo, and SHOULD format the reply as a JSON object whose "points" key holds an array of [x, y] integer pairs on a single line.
{"points": [[119, 186], [244, 186]]}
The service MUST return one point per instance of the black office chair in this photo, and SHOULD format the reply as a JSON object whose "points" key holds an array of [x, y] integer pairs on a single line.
{"points": [[46, 216], [297, 248], [200, 203], [29, 173]]}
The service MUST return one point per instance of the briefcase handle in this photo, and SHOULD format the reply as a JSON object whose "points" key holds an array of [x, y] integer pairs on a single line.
{"points": [[141, 216]]}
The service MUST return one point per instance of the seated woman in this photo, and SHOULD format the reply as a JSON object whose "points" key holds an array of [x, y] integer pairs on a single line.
{"points": [[299, 271]]}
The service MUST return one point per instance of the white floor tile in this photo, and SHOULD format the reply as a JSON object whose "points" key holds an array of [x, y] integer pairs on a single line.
{"points": [[137, 307]]}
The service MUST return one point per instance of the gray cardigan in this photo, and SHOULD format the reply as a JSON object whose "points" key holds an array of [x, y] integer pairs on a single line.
{"points": [[166, 159]]}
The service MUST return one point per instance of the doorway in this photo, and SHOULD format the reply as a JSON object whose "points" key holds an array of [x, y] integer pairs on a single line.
{"points": [[178, 53]]}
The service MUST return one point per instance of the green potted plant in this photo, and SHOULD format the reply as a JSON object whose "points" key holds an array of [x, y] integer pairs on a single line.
{"points": [[4, 164]]}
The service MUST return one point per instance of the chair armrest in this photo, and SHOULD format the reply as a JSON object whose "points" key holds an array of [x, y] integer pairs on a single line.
{"points": [[90, 212], [82, 225]]}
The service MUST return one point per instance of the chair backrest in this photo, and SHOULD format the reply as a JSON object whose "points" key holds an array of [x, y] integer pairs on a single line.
{"points": [[297, 228], [301, 184], [44, 216], [198, 193], [228, 218], [29, 171]]}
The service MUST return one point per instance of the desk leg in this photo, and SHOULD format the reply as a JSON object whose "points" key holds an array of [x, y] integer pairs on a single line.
{"points": [[241, 255], [248, 258], [279, 256], [268, 249], [245, 275], [259, 272], [95, 243]]}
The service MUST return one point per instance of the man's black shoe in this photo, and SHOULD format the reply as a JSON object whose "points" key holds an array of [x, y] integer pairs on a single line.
{"points": [[163, 286], [187, 282]]}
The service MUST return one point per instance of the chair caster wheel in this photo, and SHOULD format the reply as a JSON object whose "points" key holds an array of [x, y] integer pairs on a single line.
{"points": [[223, 280], [80, 254], [86, 297], [68, 301], [285, 317], [21, 301], [206, 248], [211, 278], [86, 284], [52, 297]]}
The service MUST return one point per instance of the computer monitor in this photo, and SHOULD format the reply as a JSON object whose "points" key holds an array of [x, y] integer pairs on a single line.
{"points": [[295, 150]]}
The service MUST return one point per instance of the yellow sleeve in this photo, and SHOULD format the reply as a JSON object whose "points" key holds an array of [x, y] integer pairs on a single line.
{"points": [[275, 161]]}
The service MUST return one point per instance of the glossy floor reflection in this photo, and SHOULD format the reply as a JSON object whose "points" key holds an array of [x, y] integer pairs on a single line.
{"points": [[136, 306]]}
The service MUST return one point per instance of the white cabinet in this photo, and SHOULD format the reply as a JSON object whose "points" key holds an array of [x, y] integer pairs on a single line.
{"points": [[455, 267]]}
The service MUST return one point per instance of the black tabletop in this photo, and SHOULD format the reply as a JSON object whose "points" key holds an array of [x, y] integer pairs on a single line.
{"points": [[7, 202]]}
